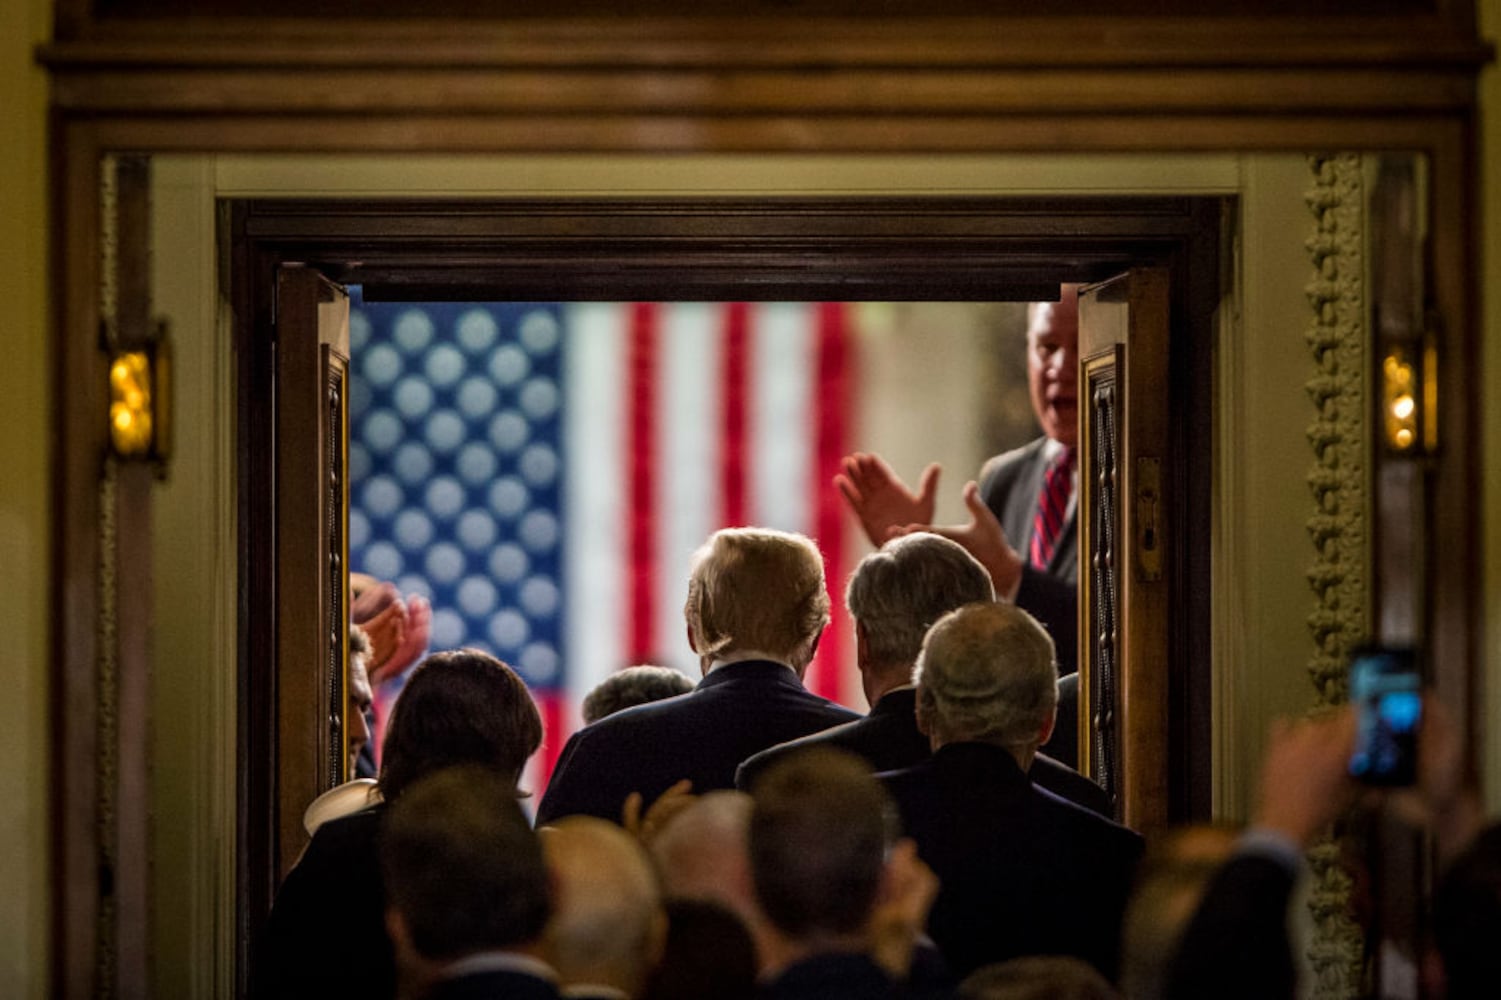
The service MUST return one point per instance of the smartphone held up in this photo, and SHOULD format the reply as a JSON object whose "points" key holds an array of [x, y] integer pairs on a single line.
{"points": [[1386, 690]]}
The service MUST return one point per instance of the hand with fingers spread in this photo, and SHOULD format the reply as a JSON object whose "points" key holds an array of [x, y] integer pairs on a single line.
{"points": [[387, 629], [985, 539], [880, 499], [416, 633]]}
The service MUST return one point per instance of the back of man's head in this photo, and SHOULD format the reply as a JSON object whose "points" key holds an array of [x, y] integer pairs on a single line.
{"points": [[460, 707], [702, 854], [818, 837], [987, 673], [897, 592], [607, 926], [757, 590], [463, 870], [632, 686]]}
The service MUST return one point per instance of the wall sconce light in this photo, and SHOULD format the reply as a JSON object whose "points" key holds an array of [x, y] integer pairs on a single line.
{"points": [[139, 394], [1409, 398], [1399, 401]]}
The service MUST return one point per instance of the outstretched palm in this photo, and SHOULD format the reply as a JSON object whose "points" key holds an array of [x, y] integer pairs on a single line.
{"points": [[880, 499]]}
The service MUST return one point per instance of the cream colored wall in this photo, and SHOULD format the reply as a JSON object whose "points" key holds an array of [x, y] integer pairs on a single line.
{"points": [[1490, 395], [194, 646], [1261, 594], [25, 553]]}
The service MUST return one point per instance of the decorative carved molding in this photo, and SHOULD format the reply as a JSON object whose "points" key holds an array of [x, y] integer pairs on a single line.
{"points": [[1338, 482]]}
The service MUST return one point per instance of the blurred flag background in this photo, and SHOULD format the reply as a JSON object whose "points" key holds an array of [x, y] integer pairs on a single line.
{"points": [[543, 472]]}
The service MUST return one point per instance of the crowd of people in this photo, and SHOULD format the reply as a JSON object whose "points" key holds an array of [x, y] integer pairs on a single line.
{"points": [[742, 837], [748, 839]]}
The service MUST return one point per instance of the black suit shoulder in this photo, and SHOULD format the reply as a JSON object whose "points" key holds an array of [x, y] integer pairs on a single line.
{"points": [[1069, 784], [736, 711], [832, 977], [331, 903], [887, 739], [1022, 871]]}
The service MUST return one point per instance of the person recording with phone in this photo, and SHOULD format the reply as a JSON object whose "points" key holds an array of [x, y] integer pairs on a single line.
{"points": [[1396, 743]]}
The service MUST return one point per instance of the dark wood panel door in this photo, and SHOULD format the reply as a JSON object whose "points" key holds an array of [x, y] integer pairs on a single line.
{"points": [[312, 514], [1123, 622]]}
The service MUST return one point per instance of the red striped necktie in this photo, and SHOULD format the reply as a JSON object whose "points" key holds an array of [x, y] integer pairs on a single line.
{"points": [[1052, 508]]}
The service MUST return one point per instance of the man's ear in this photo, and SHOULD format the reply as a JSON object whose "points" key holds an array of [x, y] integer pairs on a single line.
{"points": [[1046, 732], [862, 646], [802, 668]]}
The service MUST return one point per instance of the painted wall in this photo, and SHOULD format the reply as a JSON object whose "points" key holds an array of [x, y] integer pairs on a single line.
{"points": [[1490, 394], [25, 417], [1263, 645]]}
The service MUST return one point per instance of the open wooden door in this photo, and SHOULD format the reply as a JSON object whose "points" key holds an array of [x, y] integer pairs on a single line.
{"points": [[1124, 595], [312, 548]]}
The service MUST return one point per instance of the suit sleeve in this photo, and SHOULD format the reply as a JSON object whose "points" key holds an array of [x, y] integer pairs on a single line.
{"points": [[1055, 603]]}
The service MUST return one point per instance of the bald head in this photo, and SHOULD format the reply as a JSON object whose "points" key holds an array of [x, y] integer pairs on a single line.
{"points": [[608, 925], [702, 854], [988, 673]]}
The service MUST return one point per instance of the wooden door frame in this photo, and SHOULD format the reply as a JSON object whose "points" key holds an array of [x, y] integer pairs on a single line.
{"points": [[774, 85], [805, 249]]}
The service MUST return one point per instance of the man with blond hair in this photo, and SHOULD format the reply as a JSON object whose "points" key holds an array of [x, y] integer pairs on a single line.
{"points": [[756, 607]]}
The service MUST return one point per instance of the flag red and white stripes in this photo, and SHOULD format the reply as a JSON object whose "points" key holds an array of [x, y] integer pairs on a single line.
{"points": [[679, 419]]}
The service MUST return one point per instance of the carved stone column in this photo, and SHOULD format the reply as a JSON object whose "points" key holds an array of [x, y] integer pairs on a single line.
{"points": [[1339, 484]]}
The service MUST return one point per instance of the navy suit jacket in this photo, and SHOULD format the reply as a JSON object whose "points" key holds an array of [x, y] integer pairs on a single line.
{"points": [[832, 977], [332, 903], [493, 985], [889, 739], [1022, 871], [737, 710], [1009, 485]]}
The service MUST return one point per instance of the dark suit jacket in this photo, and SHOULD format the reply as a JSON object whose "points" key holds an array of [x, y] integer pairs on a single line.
{"points": [[1236, 945], [494, 985], [889, 739], [330, 908], [1009, 485], [1063, 745], [832, 977], [737, 710], [1022, 871]]}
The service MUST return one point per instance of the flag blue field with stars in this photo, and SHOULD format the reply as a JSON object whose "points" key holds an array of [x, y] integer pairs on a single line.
{"points": [[455, 470], [543, 472]]}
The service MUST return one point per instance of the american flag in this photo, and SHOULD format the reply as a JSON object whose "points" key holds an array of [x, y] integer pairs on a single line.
{"points": [[543, 472]]}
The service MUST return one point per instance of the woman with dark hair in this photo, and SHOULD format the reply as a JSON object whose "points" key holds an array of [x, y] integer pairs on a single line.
{"points": [[326, 935]]}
